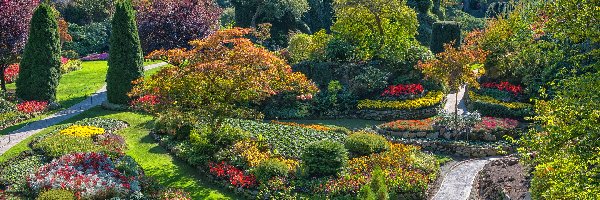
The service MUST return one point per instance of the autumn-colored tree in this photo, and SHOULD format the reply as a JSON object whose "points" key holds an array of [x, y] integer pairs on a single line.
{"points": [[168, 24], [14, 22], [63, 31], [219, 77], [456, 67]]}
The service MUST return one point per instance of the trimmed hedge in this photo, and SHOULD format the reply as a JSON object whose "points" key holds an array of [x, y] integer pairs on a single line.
{"points": [[324, 158], [125, 62], [40, 67], [488, 106], [445, 32], [362, 144]]}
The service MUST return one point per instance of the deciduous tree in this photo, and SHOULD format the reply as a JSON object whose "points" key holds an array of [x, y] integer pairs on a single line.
{"points": [[220, 76], [169, 24]]}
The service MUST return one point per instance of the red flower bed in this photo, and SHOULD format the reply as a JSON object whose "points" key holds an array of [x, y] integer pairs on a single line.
{"points": [[400, 90], [11, 73], [235, 176], [504, 86], [489, 124], [31, 107], [409, 125]]}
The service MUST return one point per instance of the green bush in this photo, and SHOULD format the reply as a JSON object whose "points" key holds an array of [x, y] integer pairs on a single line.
{"points": [[70, 54], [56, 194], [438, 9], [207, 142], [175, 123], [378, 184], [426, 21], [339, 50], [40, 65], [363, 143], [321, 73], [125, 62], [445, 32], [304, 47], [370, 80], [324, 158], [89, 38], [366, 193], [270, 168]]}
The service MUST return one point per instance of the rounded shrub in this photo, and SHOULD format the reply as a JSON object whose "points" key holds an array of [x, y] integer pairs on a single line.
{"points": [[422, 6], [363, 143], [40, 65], [444, 32], [270, 168], [125, 63], [324, 158], [56, 194]]}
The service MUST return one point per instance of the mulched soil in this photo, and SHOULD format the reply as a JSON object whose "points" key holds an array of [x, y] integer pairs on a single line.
{"points": [[505, 178]]}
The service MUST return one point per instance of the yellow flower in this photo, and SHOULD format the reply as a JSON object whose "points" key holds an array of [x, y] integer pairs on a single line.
{"points": [[82, 131], [431, 99]]}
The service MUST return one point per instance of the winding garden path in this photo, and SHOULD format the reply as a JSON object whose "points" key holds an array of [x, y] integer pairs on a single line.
{"points": [[451, 99], [10, 140], [458, 183]]}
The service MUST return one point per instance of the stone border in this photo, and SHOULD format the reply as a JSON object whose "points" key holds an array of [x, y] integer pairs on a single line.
{"points": [[458, 148]]}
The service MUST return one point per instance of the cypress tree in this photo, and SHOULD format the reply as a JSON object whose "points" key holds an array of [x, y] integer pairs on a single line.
{"points": [[445, 32], [40, 65], [125, 55]]}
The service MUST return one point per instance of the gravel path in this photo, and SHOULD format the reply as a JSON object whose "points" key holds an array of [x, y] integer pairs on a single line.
{"points": [[457, 184], [12, 139], [451, 99]]}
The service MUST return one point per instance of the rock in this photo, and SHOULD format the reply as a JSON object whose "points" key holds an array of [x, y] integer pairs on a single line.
{"points": [[421, 134], [432, 135]]}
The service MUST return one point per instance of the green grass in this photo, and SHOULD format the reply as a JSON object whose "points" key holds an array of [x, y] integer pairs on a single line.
{"points": [[154, 159], [348, 123], [75, 87]]}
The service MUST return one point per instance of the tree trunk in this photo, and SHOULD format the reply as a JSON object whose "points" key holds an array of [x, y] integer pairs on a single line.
{"points": [[2, 81], [456, 113], [256, 14]]}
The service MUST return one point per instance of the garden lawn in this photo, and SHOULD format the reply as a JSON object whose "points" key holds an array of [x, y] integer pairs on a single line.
{"points": [[347, 123], [75, 87], [155, 160]]}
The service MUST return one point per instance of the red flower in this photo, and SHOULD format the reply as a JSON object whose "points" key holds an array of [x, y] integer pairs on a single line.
{"points": [[505, 86], [31, 107], [400, 90], [11, 73], [235, 176]]}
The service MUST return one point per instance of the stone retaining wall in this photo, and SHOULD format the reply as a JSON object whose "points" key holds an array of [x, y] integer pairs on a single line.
{"points": [[458, 148]]}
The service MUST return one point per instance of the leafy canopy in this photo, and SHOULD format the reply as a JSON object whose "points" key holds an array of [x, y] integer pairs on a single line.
{"points": [[220, 76], [379, 28], [565, 142]]}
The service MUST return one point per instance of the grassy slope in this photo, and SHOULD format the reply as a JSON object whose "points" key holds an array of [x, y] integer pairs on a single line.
{"points": [[155, 160], [75, 87]]}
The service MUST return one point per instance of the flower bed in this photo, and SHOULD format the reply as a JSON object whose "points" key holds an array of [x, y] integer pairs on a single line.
{"points": [[489, 106], [408, 171], [88, 175], [11, 113], [32, 107], [471, 149], [290, 144], [402, 92], [504, 86], [94, 57], [429, 100], [423, 125], [90, 135], [11, 73]]}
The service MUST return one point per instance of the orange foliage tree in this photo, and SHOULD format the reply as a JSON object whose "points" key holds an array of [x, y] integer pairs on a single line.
{"points": [[221, 76], [456, 67]]}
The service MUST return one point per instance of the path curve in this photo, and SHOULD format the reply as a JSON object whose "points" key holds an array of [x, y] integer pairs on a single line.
{"points": [[458, 183], [15, 137]]}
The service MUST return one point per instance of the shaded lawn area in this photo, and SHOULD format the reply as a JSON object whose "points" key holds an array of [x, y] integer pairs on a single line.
{"points": [[347, 123], [75, 87], [154, 159]]}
